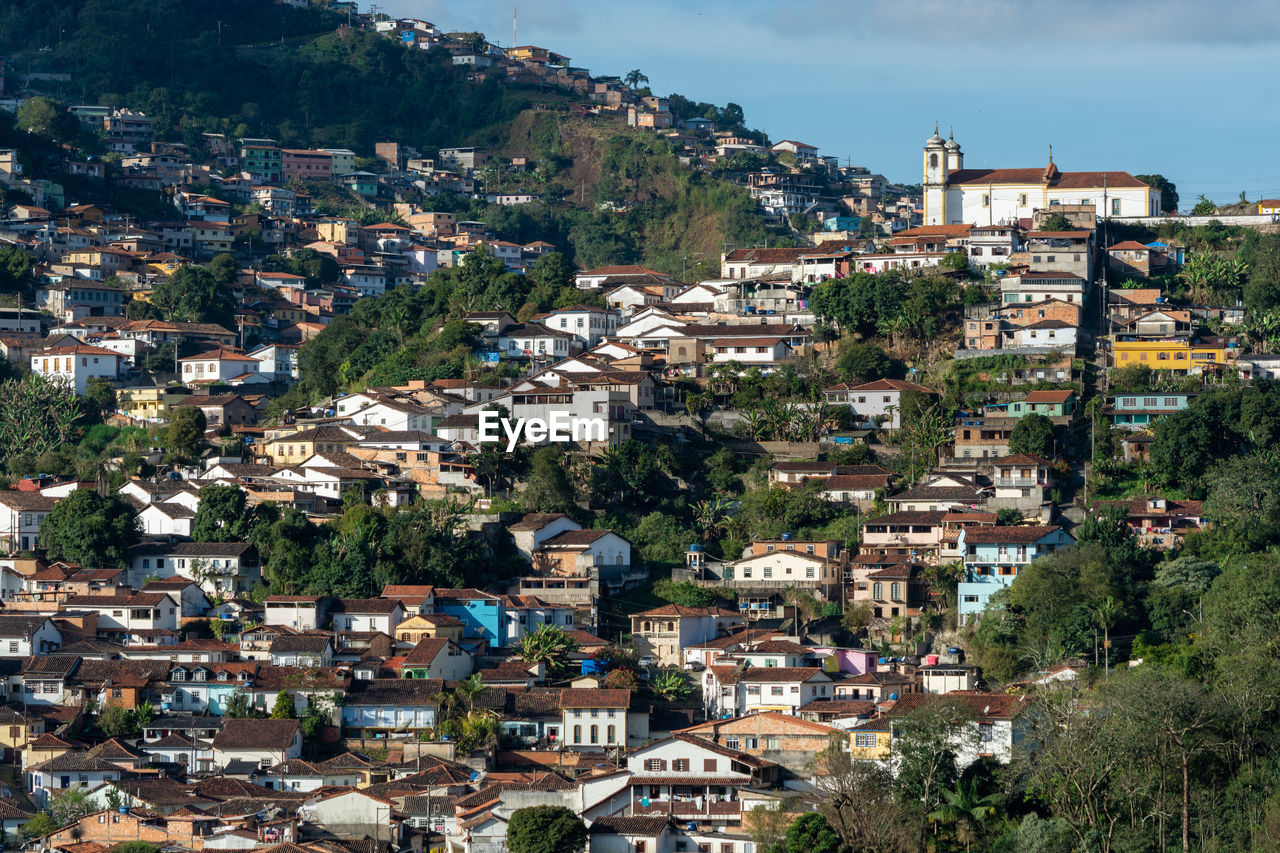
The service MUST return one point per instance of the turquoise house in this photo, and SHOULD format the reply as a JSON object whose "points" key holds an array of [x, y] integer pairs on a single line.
{"points": [[993, 555], [1138, 411], [1051, 404], [483, 615]]}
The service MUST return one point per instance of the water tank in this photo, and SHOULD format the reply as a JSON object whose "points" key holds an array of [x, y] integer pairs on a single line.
{"points": [[695, 547], [930, 660], [786, 537], [893, 697]]}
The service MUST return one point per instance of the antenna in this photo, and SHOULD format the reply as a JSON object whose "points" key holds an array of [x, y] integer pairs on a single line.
{"points": [[515, 41]]}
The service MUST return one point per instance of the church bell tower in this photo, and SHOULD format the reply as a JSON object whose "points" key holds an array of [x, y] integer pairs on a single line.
{"points": [[935, 180]]}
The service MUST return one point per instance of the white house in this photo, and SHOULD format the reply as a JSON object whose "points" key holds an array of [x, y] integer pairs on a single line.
{"points": [[878, 402], [130, 612], [748, 351], [26, 636], [166, 518], [76, 365], [73, 769], [367, 614], [367, 409], [262, 742], [597, 719], [437, 658], [530, 340], [301, 612], [729, 690], [279, 361], [664, 631], [221, 365], [21, 514], [586, 323]]}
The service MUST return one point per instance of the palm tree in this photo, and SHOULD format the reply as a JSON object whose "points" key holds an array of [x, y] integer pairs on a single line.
{"points": [[670, 685], [965, 810], [469, 689], [1106, 614], [634, 78], [547, 645]]}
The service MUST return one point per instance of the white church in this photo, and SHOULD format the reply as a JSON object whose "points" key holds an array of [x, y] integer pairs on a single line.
{"points": [[954, 195]]}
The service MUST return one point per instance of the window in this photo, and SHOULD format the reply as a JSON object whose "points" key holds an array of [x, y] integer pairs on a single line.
{"points": [[595, 734], [640, 847], [612, 734], [877, 590], [577, 734], [680, 765], [775, 691], [768, 572], [986, 200], [985, 732], [13, 647], [1115, 207], [864, 741], [808, 572], [708, 765], [1022, 199]]}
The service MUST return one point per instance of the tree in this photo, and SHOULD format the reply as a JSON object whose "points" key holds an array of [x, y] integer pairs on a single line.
{"points": [[1033, 434], [91, 530], [117, 721], [1243, 499], [238, 704], [548, 645], [100, 394], [546, 829], [224, 515], [965, 810], [47, 118], [927, 741], [1204, 207], [634, 78], [1055, 222], [70, 805], [185, 434], [283, 708], [547, 487], [856, 799], [16, 267], [1168, 191], [861, 361], [192, 294], [40, 825], [671, 685], [684, 593], [37, 415], [810, 833]]}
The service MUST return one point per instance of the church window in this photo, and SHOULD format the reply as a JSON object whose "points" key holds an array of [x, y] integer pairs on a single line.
{"points": [[933, 161], [986, 201]]}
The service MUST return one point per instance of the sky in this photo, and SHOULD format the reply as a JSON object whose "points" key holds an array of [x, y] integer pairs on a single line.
{"points": [[1182, 88]]}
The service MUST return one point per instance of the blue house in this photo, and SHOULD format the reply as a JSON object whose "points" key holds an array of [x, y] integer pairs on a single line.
{"points": [[993, 556], [1138, 411], [483, 615]]}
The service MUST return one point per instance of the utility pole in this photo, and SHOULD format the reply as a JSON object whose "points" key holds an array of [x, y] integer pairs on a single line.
{"points": [[515, 41]]}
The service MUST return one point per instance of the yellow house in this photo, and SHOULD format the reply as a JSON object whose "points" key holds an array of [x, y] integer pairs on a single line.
{"points": [[1179, 356], [870, 744], [345, 231], [301, 446], [16, 730], [433, 626], [164, 263], [150, 404]]}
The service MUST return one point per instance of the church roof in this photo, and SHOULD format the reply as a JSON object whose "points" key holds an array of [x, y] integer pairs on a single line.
{"points": [[1049, 175]]}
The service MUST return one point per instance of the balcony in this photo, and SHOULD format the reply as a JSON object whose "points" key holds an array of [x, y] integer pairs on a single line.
{"points": [[728, 809], [1018, 482]]}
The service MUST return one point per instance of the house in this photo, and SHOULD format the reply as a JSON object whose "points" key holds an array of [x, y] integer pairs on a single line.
{"points": [[130, 614], [664, 632], [423, 626], [222, 410], [23, 636], [735, 690], [301, 650], [1051, 404], [73, 769], [999, 724], [940, 491], [436, 658], [748, 351], [527, 340], [367, 614], [1140, 410], [875, 403], [1158, 522], [298, 775], [75, 365], [301, 612], [391, 704], [993, 555], [370, 409], [263, 743], [1187, 355], [1021, 482], [588, 324], [222, 365], [577, 552], [482, 614], [528, 613], [787, 740], [600, 719], [21, 514]]}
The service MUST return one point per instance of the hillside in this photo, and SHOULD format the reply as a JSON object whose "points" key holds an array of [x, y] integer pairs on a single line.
{"points": [[609, 194]]}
